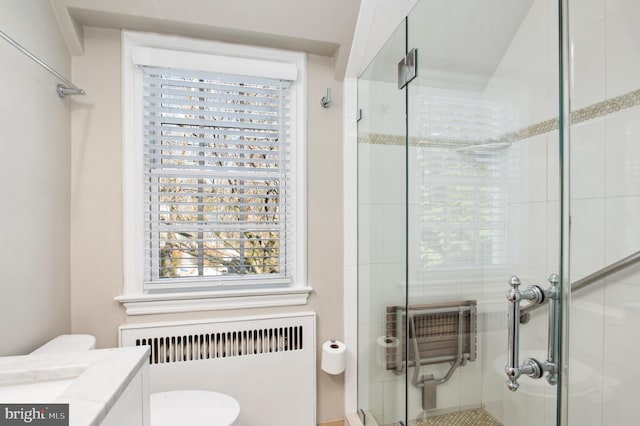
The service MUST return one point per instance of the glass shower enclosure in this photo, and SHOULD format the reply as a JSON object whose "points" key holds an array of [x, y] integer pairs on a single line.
{"points": [[499, 173], [459, 193]]}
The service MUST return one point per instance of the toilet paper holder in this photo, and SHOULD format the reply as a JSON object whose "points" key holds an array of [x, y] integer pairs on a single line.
{"points": [[333, 357]]}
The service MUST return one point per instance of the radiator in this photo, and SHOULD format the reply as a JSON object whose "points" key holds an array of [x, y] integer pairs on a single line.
{"points": [[267, 363]]}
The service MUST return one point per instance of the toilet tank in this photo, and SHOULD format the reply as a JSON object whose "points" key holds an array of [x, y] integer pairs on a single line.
{"points": [[67, 343]]}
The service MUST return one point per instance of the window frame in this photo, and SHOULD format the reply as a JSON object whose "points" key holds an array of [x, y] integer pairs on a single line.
{"points": [[144, 48]]}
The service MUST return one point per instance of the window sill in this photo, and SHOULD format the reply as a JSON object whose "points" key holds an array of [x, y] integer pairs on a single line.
{"points": [[145, 304]]}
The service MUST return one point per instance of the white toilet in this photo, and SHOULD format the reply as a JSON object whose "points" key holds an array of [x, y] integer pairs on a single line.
{"points": [[183, 407], [193, 408]]}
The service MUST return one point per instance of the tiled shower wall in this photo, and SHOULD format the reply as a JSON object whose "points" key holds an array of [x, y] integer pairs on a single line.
{"points": [[605, 211], [605, 204]]}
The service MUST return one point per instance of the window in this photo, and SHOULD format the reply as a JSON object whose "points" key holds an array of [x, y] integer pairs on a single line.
{"points": [[214, 206], [461, 154]]}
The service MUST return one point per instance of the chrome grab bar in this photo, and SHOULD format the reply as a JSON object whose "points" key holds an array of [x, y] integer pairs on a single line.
{"points": [[531, 367], [525, 312]]}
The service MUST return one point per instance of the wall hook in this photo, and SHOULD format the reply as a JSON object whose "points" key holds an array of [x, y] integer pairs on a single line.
{"points": [[326, 100]]}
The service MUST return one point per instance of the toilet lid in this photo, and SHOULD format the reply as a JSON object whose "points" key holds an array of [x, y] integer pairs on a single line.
{"points": [[193, 408]]}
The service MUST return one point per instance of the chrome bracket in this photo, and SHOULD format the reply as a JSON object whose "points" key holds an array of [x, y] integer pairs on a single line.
{"points": [[408, 68]]}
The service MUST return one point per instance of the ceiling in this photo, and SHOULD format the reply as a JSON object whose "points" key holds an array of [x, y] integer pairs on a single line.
{"points": [[323, 27], [460, 43]]}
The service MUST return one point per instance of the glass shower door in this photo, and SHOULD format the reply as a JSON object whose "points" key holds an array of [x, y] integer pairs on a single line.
{"points": [[459, 192], [483, 205], [381, 236]]}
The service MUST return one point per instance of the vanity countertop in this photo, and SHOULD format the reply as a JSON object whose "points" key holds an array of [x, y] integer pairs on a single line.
{"points": [[96, 378]]}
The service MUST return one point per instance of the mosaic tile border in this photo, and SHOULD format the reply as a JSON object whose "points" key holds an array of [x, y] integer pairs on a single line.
{"points": [[600, 109]]}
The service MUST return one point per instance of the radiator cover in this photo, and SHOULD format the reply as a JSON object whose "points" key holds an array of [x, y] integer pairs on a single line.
{"points": [[266, 362]]}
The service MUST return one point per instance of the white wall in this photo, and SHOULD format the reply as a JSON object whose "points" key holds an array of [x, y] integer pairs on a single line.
{"points": [[34, 256]]}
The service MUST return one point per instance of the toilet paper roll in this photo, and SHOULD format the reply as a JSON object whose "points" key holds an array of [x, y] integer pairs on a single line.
{"points": [[334, 356], [384, 343]]}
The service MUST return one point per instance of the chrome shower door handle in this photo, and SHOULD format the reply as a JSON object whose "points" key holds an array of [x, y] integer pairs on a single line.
{"points": [[513, 343], [530, 366]]}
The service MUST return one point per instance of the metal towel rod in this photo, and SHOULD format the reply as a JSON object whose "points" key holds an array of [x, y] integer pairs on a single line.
{"points": [[68, 88], [525, 313]]}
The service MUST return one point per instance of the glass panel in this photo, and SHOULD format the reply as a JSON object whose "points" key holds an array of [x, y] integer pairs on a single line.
{"points": [[605, 207], [483, 191], [381, 235]]}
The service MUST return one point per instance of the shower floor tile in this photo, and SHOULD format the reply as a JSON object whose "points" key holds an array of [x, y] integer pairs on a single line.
{"points": [[475, 417]]}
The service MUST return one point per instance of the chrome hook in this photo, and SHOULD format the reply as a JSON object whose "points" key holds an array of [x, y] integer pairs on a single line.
{"points": [[326, 100]]}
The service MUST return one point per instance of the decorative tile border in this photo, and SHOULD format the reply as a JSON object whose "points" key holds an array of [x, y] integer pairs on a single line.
{"points": [[610, 106], [600, 109]]}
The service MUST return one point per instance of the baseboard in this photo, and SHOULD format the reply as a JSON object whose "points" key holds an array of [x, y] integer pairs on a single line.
{"points": [[333, 423]]}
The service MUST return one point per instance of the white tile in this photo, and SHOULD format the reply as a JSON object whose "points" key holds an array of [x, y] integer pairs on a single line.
{"points": [[393, 285], [622, 227], [471, 381], [370, 304], [622, 316], [351, 369], [370, 398], [534, 79], [587, 235], [393, 401], [364, 171], [620, 405], [369, 245], [527, 233], [586, 335], [623, 50], [350, 97], [523, 408], [388, 174], [585, 391], [630, 275], [350, 247], [350, 394], [622, 151], [447, 394], [613, 6], [588, 65], [553, 166], [393, 230], [350, 284], [532, 183], [587, 159], [585, 13], [350, 321], [553, 237]]}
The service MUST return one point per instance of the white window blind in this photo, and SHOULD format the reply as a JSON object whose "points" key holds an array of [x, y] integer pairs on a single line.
{"points": [[218, 179], [463, 192]]}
